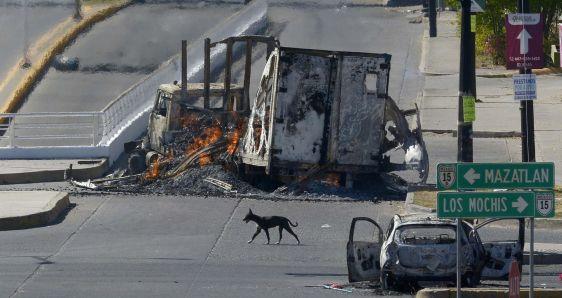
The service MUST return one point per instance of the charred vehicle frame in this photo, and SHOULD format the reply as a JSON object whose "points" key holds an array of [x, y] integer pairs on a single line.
{"points": [[423, 248], [315, 111]]}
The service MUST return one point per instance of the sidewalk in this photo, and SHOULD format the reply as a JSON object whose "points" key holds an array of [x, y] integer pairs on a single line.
{"points": [[497, 128]]}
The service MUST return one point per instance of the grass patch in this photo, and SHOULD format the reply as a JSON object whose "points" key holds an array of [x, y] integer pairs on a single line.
{"points": [[93, 2], [428, 198], [425, 198]]}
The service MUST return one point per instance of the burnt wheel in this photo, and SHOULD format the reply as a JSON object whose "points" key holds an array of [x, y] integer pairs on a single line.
{"points": [[469, 280], [135, 163], [387, 281]]}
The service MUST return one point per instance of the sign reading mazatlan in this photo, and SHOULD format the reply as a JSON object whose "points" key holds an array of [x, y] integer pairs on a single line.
{"points": [[525, 175]]}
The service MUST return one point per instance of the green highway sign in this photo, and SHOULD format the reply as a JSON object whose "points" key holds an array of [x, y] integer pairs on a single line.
{"points": [[485, 204], [497, 204], [525, 175]]}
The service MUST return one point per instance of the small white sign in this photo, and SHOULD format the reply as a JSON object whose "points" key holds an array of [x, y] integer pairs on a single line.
{"points": [[520, 19], [525, 87]]}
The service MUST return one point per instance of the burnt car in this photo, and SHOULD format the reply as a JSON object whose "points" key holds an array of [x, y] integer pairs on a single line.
{"points": [[423, 248]]}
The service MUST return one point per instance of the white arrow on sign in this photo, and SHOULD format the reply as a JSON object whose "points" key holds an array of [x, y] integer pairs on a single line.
{"points": [[520, 204], [524, 37], [471, 176]]}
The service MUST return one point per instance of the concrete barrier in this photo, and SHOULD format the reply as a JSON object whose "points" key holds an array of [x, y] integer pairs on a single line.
{"points": [[37, 216], [486, 293]]}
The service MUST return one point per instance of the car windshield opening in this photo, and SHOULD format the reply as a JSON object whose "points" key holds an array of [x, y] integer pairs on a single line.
{"points": [[425, 235]]}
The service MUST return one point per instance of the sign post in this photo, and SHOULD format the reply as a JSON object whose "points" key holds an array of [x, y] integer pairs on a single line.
{"points": [[500, 204]]}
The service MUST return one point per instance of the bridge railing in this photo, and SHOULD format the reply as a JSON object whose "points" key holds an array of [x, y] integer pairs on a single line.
{"points": [[50, 129]]}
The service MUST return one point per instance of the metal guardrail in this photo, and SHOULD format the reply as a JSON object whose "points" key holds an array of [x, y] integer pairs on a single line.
{"points": [[50, 129]]}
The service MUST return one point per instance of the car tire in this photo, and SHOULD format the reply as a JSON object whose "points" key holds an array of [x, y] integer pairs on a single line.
{"points": [[136, 163], [469, 280], [387, 281]]}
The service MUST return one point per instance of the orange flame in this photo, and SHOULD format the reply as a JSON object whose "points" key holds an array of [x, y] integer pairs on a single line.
{"points": [[209, 136], [333, 179], [152, 173], [233, 141]]}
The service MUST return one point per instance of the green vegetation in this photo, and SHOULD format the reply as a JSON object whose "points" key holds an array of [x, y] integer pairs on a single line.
{"points": [[490, 32], [425, 198], [92, 2]]}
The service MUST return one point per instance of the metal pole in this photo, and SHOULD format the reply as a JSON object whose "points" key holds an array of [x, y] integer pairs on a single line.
{"points": [[207, 73], [184, 70], [244, 102], [458, 257], [532, 259], [464, 129], [527, 111], [26, 60], [432, 19], [227, 72], [78, 10], [528, 150]]}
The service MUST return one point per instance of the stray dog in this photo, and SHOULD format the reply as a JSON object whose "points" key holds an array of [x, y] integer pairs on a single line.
{"points": [[266, 222]]}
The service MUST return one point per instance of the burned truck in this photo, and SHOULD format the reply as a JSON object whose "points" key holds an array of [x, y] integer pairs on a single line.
{"points": [[314, 112]]}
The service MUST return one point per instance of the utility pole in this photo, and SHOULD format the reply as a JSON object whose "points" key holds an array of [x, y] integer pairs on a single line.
{"points": [[467, 87], [466, 109], [528, 151], [432, 19]]}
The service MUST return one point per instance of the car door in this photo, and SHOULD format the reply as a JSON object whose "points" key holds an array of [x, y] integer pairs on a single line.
{"points": [[363, 255], [501, 251]]}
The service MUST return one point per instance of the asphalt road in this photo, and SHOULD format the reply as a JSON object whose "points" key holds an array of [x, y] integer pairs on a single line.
{"points": [[121, 50], [145, 246], [358, 29], [41, 16]]}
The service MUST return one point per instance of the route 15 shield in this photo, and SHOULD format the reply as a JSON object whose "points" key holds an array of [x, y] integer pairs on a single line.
{"points": [[446, 175], [545, 204]]}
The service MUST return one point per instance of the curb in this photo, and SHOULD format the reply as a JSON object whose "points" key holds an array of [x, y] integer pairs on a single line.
{"points": [[26, 84], [539, 72], [54, 175], [413, 208], [50, 213], [485, 293], [478, 134]]}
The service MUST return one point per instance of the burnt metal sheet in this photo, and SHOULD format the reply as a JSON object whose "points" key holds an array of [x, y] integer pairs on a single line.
{"points": [[302, 103], [361, 110]]}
